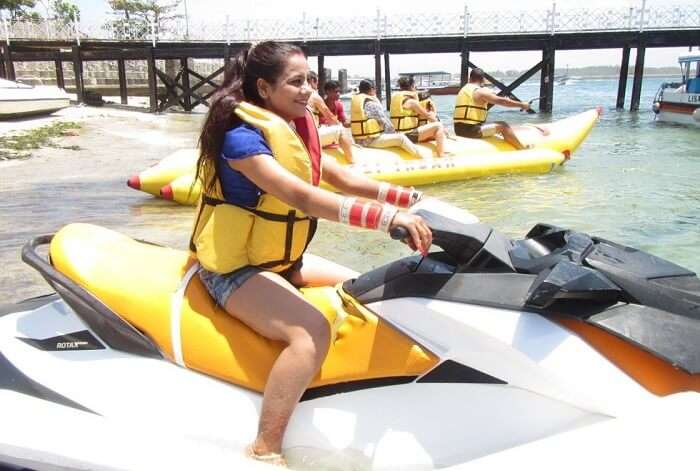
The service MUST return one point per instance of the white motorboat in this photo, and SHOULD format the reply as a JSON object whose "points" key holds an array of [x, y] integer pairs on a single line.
{"points": [[19, 99], [679, 102]]}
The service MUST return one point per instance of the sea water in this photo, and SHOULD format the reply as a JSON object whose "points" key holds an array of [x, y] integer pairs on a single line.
{"points": [[633, 181]]}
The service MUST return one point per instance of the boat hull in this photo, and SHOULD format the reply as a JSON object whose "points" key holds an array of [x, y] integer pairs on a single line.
{"points": [[678, 107], [19, 100], [10, 109]]}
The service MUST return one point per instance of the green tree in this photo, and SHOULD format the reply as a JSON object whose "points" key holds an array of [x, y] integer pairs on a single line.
{"points": [[136, 16], [17, 9], [65, 11]]}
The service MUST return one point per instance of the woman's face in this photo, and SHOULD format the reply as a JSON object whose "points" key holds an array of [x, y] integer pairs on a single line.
{"points": [[290, 94]]}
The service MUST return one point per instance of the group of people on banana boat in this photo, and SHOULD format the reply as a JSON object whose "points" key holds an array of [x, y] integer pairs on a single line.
{"points": [[412, 119], [260, 166]]}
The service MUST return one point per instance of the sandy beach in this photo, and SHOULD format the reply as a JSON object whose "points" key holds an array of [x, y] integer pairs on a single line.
{"points": [[57, 185]]}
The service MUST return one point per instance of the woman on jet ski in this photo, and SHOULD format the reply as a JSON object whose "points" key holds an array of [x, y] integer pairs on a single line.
{"points": [[260, 166]]}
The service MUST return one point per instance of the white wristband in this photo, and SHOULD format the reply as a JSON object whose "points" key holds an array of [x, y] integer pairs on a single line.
{"points": [[383, 190], [344, 210], [387, 216]]}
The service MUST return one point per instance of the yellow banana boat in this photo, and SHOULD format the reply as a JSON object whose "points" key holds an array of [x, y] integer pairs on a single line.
{"points": [[151, 180], [470, 158]]}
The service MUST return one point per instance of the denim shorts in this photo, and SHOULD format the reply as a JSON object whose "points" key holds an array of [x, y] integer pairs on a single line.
{"points": [[220, 286]]}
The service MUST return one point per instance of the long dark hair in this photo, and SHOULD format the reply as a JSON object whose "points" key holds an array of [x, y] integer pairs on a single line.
{"points": [[265, 60]]}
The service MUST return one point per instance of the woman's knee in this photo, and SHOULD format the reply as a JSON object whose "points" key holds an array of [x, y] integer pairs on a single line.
{"points": [[311, 337]]}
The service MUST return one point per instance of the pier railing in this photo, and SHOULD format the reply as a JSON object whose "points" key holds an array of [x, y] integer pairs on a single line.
{"points": [[309, 27]]}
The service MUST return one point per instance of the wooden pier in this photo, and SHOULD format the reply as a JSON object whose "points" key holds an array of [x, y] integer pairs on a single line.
{"points": [[187, 87]]}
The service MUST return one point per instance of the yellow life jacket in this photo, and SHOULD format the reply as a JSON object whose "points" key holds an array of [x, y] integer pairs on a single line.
{"points": [[361, 126], [467, 110], [403, 119], [271, 235], [429, 106]]}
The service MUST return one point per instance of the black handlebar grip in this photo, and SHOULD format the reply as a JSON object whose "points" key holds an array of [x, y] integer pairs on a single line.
{"points": [[398, 233]]}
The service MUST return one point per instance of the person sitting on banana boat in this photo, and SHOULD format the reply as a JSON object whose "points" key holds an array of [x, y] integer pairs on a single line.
{"points": [[331, 92], [407, 111], [333, 133], [471, 111], [370, 125]]}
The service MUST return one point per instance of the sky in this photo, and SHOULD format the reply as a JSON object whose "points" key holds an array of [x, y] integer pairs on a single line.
{"points": [[215, 11]]}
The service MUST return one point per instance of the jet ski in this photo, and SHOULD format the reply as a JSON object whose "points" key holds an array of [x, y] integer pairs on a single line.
{"points": [[486, 348]]}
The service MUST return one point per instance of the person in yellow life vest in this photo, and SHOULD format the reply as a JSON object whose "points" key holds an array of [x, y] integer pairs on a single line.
{"points": [[260, 168], [406, 113], [370, 125], [471, 111], [333, 133]]}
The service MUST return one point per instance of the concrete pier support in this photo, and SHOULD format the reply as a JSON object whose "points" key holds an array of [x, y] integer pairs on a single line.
{"points": [[464, 70], [378, 69], [78, 72], [321, 71], [622, 85], [547, 80], [638, 77]]}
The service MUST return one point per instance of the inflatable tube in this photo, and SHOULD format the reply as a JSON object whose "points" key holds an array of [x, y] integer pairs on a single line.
{"points": [[471, 158]]}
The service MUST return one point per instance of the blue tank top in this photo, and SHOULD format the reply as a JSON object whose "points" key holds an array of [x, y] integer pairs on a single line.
{"points": [[240, 142]]}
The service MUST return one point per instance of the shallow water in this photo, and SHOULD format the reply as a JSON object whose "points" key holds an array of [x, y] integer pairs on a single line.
{"points": [[632, 181]]}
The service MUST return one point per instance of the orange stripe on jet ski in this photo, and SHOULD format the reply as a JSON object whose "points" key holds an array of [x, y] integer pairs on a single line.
{"points": [[653, 373]]}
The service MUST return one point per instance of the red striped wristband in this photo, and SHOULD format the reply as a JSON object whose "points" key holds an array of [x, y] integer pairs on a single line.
{"points": [[370, 215], [397, 195]]}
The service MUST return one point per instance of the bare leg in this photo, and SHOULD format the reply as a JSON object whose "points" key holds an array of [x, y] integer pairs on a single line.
{"points": [[272, 307], [396, 140], [345, 142], [433, 131], [509, 136]]}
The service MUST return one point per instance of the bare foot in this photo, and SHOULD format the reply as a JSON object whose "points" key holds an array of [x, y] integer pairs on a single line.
{"points": [[275, 459]]}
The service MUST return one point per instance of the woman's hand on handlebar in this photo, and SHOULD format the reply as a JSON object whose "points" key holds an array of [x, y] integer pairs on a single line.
{"points": [[420, 236]]}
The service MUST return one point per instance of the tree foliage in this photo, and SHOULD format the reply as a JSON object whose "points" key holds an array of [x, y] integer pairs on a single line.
{"points": [[65, 11], [18, 9], [133, 18]]}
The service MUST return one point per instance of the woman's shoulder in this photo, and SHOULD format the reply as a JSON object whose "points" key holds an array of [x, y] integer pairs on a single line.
{"points": [[243, 141]]}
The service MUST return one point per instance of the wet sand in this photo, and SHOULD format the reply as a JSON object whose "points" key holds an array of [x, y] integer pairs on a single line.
{"points": [[53, 187]]}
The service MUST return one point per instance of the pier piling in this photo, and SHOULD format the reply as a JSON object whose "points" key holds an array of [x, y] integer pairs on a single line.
{"points": [[7, 60], [321, 72], [152, 81], [60, 79], [123, 91], [622, 85], [186, 96], [378, 68], [464, 69], [638, 76], [387, 80], [78, 73], [547, 80]]}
